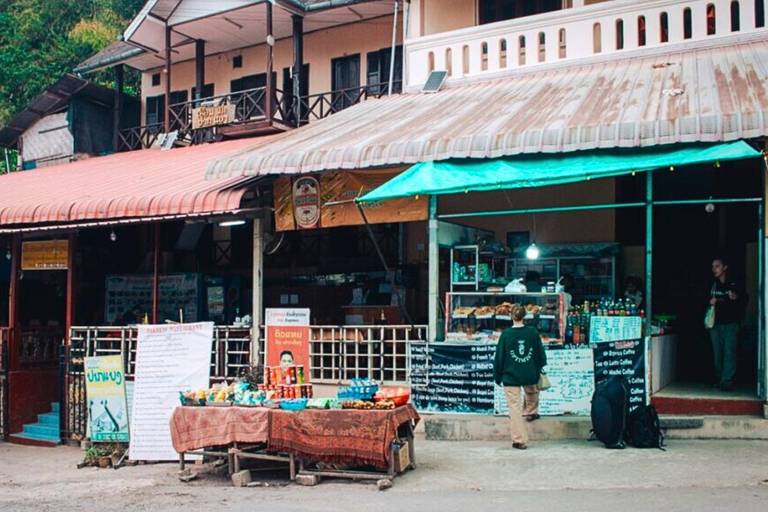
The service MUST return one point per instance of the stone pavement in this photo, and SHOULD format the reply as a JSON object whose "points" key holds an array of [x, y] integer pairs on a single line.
{"points": [[451, 476]]}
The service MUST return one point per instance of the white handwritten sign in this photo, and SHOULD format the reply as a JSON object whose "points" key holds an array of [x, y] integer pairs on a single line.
{"points": [[614, 328], [571, 373], [169, 359]]}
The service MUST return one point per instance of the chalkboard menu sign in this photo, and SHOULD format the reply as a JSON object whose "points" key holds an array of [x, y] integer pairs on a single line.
{"points": [[623, 359], [452, 378]]}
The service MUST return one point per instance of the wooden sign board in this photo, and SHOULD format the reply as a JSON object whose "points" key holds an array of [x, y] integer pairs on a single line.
{"points": [[205, 117], [45, 255]]}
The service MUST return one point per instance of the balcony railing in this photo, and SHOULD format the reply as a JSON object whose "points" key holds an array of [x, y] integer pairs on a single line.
{"points": [[578, 33], [250, 106], [40, 345]]}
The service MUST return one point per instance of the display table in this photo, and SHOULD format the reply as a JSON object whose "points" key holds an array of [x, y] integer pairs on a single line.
{"points": [[339, 437]]}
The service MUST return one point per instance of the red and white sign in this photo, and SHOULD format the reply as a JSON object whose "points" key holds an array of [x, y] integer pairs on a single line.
{"points": [[306, 202], [287, 334]]}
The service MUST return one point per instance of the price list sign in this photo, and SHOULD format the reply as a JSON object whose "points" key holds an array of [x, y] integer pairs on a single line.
{"points": [[623, 359], [453, 378]]}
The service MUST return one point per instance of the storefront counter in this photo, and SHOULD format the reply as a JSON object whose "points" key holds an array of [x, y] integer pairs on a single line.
{"points": [[663, 358]]}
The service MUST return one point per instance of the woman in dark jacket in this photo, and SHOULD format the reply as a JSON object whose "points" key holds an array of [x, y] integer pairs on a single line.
{"points": [[520, 357]]}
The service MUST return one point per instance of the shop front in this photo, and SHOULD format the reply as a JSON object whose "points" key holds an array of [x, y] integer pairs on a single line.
{"points": [[595, 243]]}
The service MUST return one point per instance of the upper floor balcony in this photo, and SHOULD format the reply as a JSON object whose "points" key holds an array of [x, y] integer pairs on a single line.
{"points": [[573, 34]]}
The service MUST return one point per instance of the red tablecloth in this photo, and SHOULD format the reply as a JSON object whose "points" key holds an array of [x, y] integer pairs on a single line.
{"points": [[193, 428], [361, 437]]}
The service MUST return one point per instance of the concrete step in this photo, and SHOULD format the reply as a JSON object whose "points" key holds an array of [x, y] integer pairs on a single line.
{"points": [[50, 419], [466, 427], [43, 432], [31, 440]]}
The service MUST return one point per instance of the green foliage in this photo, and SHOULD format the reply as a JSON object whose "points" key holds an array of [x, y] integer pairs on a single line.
{"points": [[40, 40]]}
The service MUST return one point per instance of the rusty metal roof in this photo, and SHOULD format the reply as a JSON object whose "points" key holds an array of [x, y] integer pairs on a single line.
{"points": [[715, 93], [147, 183]]}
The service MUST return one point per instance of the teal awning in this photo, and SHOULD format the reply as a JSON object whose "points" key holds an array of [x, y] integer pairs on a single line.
{"points": [[540, 170]]}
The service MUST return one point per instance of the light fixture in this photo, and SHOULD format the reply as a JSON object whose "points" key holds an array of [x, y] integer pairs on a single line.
{"points": [[710, 207], [532, 253], [8, 253], [230, 223], [113, 235]]}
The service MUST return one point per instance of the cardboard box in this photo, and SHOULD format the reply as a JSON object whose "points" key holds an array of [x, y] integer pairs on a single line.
{"points": [[402, 458]]}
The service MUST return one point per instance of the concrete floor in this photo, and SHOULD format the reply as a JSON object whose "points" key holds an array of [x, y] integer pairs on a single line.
{"points": [[705, 391], [451, 476]]}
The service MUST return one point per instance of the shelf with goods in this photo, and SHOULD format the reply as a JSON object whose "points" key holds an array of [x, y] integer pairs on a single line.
{"points": [[473, 268], [480, 317]]}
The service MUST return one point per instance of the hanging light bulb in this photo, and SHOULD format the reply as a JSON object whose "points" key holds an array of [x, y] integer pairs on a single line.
{"points": [[532, 253], [8, 254], [113, 235]]}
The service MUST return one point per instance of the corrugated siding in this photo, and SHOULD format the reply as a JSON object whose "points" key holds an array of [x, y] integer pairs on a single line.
{"points": [[125, 185], [707, 94]]}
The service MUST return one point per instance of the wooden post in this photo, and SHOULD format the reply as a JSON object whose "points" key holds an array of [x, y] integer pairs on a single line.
{"points": [[298, 64], [258, 288], [156, 277], [70, 312], [167, 79], [13, 302], [117, 111], [270, 64]]}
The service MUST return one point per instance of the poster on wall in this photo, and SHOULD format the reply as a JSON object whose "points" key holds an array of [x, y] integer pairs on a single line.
{"points": [[170, 359], [452, 378], [177, 292], [287, 337], [571, 373], [107, 406], [303, 203]]}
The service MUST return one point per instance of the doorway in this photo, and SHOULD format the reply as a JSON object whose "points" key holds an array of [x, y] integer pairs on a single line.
{"points": [[346, 81]]}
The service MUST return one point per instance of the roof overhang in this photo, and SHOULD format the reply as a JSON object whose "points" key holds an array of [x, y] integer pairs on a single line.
{"points": [[227, 25]]}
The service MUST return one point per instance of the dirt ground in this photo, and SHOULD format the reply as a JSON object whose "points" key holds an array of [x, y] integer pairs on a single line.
{"points": [[451, 476]]}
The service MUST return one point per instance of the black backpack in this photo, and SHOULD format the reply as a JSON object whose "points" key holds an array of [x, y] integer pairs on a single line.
{"points": [[609, 413], [644, 429]]}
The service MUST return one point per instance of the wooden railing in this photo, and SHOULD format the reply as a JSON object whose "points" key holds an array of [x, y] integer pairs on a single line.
{"points": [[320, 106], [140, 137], [578, 33], [40, 345]]}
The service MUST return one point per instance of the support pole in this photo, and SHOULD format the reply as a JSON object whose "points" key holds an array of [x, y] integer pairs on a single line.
{"points": [[433, 300], [648, 251], [70, 309], [394, 48], [258, 288], [270, 64], [156, 277], [762, 380], [298, 65], [167, 79], [13, 303], [199, 70], [117, 111]]}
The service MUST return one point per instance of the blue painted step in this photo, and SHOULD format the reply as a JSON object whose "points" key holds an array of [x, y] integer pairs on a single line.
{"points": [[50, 419], [55, 407], [36, 437], [39, 430]]}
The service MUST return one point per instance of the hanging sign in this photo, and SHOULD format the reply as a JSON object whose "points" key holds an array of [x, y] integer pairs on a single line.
{"points": [[107, 407], [205, 117], [615, 328], [45, 255], [287, 337], [327, 201]]}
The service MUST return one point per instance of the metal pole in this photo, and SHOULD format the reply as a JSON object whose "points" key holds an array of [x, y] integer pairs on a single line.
{"points": [[298, 64], [167, 79], [70, 308], [270, 64], [258, 288], [156, 277], [433, 300], [648, 252], [762, 380], [394, 48], [199, 70], [542, 210]]}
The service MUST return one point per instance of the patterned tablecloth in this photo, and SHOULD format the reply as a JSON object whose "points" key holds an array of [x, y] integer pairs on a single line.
{"points": [[193, 428], [353, 436]]}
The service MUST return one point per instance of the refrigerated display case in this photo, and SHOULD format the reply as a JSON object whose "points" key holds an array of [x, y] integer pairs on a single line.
{"points": [[481, 316], [473, 268]]}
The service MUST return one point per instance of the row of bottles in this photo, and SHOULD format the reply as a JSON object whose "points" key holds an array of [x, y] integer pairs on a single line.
{"points": [[579, 318]]}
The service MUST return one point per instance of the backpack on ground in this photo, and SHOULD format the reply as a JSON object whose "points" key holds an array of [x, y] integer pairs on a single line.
{"points": [[644, 429], [609, 413]]}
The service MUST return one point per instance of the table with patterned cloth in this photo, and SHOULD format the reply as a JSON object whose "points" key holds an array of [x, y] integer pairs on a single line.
{"points": [[355, 436], [193, 428]]}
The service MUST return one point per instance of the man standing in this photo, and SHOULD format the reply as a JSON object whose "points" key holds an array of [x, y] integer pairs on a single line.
{"points": [[729, 299]]}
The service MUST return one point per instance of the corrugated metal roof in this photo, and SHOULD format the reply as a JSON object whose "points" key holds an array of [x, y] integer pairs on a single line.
{"points": [[718, 93], [115, 53], [146, 183]]}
